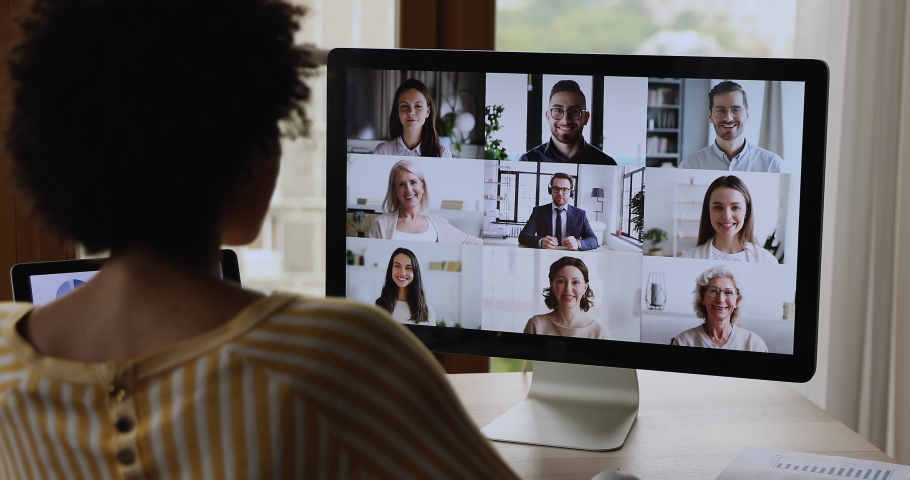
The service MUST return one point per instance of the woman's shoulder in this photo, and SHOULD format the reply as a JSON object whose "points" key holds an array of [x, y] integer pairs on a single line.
{"points": [[764, 256], [699, 251], [749, 340]]}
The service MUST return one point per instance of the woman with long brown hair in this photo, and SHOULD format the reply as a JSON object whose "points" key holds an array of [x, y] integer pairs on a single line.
{"points": [[402, 294], [726, 231], [412, 124]]}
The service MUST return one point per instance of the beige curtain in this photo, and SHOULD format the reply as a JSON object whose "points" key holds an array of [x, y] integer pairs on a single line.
{"points": [[863, 375]]}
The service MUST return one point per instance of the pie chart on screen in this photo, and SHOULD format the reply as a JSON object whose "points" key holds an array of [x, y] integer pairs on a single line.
{"points": [[67, 286]]}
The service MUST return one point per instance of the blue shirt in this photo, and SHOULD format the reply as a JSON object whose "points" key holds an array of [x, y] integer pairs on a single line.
{"points": [[750, 159], [587, 154]]}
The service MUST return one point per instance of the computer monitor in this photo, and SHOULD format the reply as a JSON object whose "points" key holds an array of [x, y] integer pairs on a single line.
{"points": [[686, 229]]}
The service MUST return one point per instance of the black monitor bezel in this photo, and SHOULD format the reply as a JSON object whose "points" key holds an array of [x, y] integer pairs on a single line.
{"points": [[797, 367], [21, 273]]}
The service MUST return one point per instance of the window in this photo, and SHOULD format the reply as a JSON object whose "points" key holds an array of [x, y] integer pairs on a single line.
{"points": [[755, 28], [631, 212]]}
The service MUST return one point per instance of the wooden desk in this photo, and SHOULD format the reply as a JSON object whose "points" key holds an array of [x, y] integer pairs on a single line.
{"points": [[689, 427]]}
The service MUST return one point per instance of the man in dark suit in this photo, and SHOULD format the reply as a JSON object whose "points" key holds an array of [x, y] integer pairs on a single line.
{"points": [[559, 224]]}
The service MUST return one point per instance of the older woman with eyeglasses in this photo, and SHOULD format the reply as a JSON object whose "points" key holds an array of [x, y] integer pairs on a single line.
{"points": [[717, 300]]}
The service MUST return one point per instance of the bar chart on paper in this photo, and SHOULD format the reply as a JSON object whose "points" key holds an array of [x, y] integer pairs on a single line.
{"points": [[768, 464], [800, 464]]}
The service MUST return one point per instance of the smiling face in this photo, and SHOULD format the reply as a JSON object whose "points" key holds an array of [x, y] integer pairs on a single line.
{"points": [[726, 125], [569, 287], [720, 298], [560, 191], [413, 110], [402, 270], [728, 211], [567, 130], [408, 190]]}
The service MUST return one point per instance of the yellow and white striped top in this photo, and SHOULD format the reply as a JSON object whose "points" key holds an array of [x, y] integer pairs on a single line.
{"points": [[290, 388]]}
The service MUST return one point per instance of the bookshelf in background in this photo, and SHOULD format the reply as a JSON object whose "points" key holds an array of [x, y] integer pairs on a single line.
{"points": [[664, 121]]}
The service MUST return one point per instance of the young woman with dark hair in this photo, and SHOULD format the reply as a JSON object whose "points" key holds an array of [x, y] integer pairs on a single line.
{"points": [[726, 231], [412, 124], [402, 294]]}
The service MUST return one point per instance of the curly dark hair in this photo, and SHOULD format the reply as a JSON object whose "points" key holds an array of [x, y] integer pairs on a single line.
{"points": [[587, 300], [133, 120]]}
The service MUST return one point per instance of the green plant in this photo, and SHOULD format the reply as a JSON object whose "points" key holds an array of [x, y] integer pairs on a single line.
{"points": [[637, 210], [446, 128], [493, 149], [655, 236]]}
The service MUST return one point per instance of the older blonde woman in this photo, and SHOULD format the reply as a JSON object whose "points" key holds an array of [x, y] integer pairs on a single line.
{"points": [[717, 300], [406, 205]]}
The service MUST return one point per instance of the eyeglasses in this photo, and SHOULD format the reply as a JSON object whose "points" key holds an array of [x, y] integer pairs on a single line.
{"points": [[560, 190], [574, 113], [715, 292], [722, 111]]}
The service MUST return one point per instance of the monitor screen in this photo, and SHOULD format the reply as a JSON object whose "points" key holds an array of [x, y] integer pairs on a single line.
{"points": [[626, 211]]}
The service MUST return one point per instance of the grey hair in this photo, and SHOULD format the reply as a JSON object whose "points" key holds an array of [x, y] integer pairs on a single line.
{"points": [[701, 283], [390, 203]]}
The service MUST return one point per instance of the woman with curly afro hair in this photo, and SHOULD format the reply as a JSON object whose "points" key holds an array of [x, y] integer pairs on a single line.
{"points": [[150, 129]]}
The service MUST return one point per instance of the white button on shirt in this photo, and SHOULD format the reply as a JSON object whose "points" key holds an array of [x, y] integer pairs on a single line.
{"points": [[750, 159]]}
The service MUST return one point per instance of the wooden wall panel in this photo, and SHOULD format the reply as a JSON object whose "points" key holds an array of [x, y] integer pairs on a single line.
{"points": [[22, 237]]}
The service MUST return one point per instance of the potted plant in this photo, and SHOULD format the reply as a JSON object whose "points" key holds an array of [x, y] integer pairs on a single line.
{"points": [[493, 149], [655, 236], [619, 226]]}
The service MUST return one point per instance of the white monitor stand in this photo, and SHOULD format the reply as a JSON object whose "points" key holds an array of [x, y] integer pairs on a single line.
{"points": [[572, 406]]}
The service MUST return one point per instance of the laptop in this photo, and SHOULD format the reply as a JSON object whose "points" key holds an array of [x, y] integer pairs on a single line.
{"points": [[43, 282]]}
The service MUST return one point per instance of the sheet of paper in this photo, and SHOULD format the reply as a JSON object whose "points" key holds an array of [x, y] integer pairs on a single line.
{"points": [[768, 464]]}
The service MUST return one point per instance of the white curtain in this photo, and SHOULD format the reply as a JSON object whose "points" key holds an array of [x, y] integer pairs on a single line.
{"points": [[772, 120], [863, 375]]}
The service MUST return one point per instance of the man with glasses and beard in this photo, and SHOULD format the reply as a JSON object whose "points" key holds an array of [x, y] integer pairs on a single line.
{"points": [[728, 111], [567, 116]]}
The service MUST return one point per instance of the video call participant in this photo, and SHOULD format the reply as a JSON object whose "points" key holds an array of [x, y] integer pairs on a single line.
{"points": [[569, 296], [726, 231], [717, 299], [402, 294], [412, 124], [149, 368], [728, 111], [406, 204], [567, 116], [558, 225]]}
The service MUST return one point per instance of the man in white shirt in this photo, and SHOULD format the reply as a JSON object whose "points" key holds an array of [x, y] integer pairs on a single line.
{"points": [[728, 111]]}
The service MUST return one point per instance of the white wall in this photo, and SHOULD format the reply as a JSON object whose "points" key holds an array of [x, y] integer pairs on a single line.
{"points": [[511, 91], [625, 119], [599, 176], [446, 179]]}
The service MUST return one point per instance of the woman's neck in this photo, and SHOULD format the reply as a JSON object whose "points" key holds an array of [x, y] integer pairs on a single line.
{"points": [[570, 317], [727, 244], [403, 294], [411, 138], [405, 214], [718, 331]]}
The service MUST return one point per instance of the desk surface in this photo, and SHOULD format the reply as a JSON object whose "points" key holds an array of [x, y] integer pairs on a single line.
{"points": [[689, 426]]}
